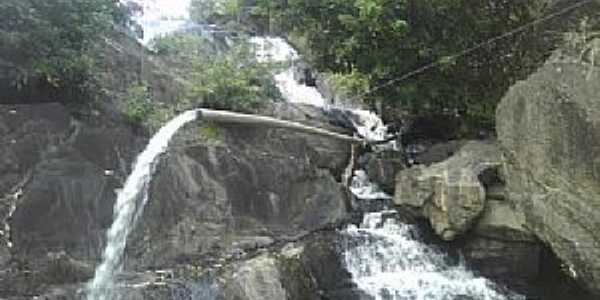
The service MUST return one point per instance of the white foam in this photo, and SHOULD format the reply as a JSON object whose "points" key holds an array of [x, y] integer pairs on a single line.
{"points": [[389, 262], [295, 92], [364, 189]]}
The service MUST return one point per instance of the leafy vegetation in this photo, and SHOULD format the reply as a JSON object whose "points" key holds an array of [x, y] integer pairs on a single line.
{"points": [[382, 40], [56, 40], [138, 104], [232, 80], [217, 77]]}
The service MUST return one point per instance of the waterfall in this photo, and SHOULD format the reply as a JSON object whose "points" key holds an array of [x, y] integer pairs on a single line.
{"points": [[129, 207], [388, 260]]}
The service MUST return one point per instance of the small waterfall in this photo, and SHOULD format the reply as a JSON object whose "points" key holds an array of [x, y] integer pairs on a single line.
{"points": [[273, 49], [129, 207], [387, 261], [363, 189]]}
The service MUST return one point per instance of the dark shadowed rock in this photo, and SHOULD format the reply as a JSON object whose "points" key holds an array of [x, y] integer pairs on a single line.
{"points": [[382, 167], [500, 247]]}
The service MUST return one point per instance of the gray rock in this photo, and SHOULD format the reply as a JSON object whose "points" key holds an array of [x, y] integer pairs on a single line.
{"points": [[500, 247], [501, 222], [256, 279], [246, 184], [308, 269], [449, 194], [549, 126], [211, 198]]}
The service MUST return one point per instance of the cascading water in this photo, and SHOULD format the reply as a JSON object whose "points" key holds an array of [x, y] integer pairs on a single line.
{"points": [[386, 258], [275, 49], [129, 206], [388, 261]]}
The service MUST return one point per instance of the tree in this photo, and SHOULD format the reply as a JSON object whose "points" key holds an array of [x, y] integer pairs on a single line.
{"points": [[55, 40], [383, 40]]}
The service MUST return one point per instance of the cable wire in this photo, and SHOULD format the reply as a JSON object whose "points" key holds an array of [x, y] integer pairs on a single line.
{"points": [[474, 48]]}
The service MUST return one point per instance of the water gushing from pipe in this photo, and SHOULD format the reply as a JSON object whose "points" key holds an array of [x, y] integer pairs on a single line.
{"points": [[129, 207]]}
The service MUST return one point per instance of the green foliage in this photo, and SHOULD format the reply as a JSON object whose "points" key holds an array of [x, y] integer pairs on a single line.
{"points": [[181, 46], [208, 131], [138, 104], [386, 39], [230, 79], [56, 40], [349, 84]]}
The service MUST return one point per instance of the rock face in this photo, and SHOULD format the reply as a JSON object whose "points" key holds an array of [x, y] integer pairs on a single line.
{"points": [[215, 196], [256, 279], [549, 126], [242, 189], [449, 194], [309, 269]]}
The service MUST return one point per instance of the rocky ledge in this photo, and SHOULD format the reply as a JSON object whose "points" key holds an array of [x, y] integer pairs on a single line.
{"points": [[220, 195]]}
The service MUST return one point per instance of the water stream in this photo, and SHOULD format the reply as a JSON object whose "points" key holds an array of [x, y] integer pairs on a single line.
{"points": [[129, 207]]}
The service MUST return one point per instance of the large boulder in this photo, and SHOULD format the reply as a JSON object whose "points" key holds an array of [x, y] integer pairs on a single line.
{"points": [[449, 194], [549, 126], [256, 279], [308, 269]]}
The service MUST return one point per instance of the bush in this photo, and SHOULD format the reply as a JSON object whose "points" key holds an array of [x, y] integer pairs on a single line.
{"points": [[231, 79], [138, 106]]}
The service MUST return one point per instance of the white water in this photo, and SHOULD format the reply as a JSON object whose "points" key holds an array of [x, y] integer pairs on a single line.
{"points": [[363, 189], [388, 261], [129, 207], [274, 49], [386, 258]]}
